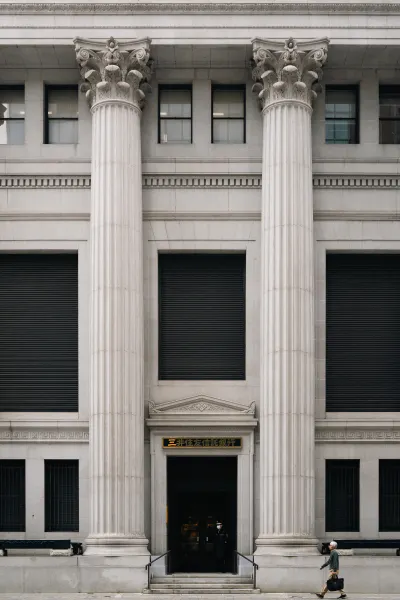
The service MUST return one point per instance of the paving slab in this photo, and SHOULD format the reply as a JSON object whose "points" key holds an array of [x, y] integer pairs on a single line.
{"points": [[110, 596]]}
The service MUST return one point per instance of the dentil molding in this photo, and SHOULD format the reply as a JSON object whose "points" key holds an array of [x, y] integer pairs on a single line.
{"points": [[252, 8], [203, 181]]}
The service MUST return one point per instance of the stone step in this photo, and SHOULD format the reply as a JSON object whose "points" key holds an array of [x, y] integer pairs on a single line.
{"points": [[199, 585], [179, 580], [216, 575], [198, 591]]}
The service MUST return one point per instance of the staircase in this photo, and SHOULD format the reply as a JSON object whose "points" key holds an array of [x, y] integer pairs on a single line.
{"points": [[203, 583]]}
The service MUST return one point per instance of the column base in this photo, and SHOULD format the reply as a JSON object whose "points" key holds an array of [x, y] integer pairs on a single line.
{"points": [[116, 545], [286, 545]]}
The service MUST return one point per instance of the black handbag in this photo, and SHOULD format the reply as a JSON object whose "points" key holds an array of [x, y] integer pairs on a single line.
{"points": [[335, 584]]}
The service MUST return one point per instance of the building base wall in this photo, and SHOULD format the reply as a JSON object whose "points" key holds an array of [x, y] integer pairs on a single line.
{"points": [[36, 574], [276, 574], [301, 574]]}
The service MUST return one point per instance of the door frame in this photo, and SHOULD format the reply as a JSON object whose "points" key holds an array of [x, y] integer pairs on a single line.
{"points": [[202, 417]]}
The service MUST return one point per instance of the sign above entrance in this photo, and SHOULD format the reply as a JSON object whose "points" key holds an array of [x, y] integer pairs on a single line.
{"points": [[183, 442]]}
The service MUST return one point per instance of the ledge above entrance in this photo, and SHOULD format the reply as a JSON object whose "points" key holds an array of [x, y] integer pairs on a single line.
{"points": [[201, 411]]}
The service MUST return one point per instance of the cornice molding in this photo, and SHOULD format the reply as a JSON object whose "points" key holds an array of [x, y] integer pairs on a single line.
{"points": [[357, 431], [219, 8]]}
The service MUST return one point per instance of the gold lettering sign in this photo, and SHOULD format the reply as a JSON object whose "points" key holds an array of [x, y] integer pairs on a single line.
{"points": [[211, 442]]}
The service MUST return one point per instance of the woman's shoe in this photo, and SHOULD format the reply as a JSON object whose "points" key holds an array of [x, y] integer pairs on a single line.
{"points": [[320, 595], [342, 596]]}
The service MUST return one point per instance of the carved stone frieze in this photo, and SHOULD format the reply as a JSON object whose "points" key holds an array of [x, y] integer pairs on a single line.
{"points": [[289, 71], [34, 434], [347, 431], [115, 71]]}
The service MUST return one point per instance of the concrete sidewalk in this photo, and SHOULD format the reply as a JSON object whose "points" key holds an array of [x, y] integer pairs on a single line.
{"points": [[112, 596]]}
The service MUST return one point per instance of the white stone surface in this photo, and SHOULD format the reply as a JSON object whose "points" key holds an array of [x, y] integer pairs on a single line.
{"points": [[116, 445], [288, 73], [198, 203]]}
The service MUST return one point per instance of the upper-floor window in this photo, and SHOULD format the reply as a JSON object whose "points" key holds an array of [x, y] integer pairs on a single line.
{"points": [[389, 114], [341, 114], [61, 112], [175, 114], [12, 114], [228, 114]]}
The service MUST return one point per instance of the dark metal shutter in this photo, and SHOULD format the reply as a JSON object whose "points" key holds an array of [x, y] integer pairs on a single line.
{"points": [[389, 495], [61, 495], [12, 495], [39, 332], [363, 332], [202, 316], [342, 495]]}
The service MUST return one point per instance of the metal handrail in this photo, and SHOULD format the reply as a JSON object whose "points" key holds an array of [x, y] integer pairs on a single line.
{"points": [[148, 567], [255, 567]]}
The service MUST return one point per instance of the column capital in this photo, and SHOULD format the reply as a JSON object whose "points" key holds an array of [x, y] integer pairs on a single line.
{"points": [[287, 71], [115, 71]]}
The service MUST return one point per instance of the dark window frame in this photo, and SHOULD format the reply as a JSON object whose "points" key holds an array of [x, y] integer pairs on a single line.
{"points": [[70, 276], [388, 89], [353, 88], [48, 88], [330, 525], [383, 495], [50, 506], [160, 318], [240, 87], [174, 86], [17, 88], [21, 466]]}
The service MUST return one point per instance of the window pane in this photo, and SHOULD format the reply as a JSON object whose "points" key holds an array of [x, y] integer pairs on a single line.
{"points": [[12, 495], [175, 131], [12, 132], [342, 495], [63, 132], [62, 103], [228, 103], [340, 132], [389, 495], [340, 104], [14, 102], [389, 103], [227, 131], [175, 103], [389, 132]]}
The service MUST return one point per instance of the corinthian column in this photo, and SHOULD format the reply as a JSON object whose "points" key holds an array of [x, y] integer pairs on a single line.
{"points": [[286, 76], [116, 76]]}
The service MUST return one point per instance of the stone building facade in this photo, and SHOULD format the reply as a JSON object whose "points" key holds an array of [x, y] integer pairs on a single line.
{"points": [[199, 235]]}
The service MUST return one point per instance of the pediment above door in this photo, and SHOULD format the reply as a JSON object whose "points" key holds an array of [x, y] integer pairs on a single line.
{"points": [[201, 409]]}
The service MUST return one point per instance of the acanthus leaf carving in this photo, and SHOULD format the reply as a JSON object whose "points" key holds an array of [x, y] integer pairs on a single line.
{"points": [[287, 73], [115, 71]]}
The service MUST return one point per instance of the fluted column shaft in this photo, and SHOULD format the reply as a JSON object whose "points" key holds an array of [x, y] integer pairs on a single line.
{"points": [[287, 309], [116, 315]]}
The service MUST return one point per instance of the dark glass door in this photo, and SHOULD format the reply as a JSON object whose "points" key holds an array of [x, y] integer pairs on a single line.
{"points": [[201, 492]]}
